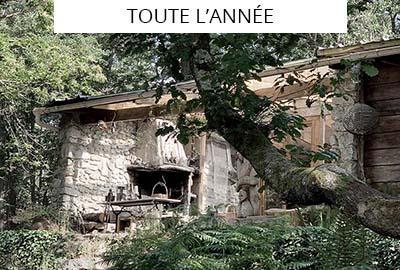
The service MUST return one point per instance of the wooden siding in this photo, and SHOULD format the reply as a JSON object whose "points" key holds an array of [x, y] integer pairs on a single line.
{"points": [[382, 146]]}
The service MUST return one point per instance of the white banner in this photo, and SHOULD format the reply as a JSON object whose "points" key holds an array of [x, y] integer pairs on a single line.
{"points": [[204, 16]]}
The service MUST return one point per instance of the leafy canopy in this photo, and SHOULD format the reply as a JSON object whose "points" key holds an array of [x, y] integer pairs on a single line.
{"points": [[237, 58], [36, 66]]}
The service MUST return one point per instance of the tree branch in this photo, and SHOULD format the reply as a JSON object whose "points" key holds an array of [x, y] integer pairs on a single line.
{"points": [[328, 184]]}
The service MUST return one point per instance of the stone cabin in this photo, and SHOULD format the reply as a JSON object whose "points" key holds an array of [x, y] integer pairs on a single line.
{"points": [[109, 141]]}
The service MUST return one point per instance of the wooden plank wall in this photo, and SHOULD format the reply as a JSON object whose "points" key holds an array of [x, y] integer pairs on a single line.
{"points": [[382, 146]]}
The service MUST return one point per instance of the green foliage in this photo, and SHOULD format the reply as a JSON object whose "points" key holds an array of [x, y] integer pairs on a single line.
{"points": [[298, 248], [386, 252], [369, 69], [238, 57], [318, 215], [208, 243], [125, 73], [303, 157], [373, 22], [29, 250], [36, 66], [347, 246], [41, 217], [367, 21]]}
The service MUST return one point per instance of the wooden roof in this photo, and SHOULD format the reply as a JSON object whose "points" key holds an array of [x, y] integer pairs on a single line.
{"points": [[136, 105]]}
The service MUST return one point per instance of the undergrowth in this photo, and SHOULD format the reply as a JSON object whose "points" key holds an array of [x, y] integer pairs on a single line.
{"points": [[30, 250], [210, 244]]}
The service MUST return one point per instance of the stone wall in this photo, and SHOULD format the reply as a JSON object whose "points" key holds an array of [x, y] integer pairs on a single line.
{"points": [[343, 142], [219, 186], [93, 161]]}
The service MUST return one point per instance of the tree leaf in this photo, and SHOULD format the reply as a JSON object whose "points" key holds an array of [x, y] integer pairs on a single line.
{"points": [[370, 70]]}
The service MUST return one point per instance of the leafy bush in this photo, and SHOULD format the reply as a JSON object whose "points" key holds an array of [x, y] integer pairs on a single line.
{"points": [[385, 253], [208, 244], [29, 250], [41, 218]]}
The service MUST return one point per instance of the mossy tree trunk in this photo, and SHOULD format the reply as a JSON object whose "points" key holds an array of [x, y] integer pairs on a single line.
{"points": [[327, 184]]}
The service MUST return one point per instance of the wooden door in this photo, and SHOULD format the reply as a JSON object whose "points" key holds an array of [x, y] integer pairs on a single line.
{"points": [[382, 146]]}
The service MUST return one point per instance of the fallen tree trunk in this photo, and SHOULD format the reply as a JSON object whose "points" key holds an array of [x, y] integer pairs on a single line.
{"points": [[96, 217], [327, 184], [92, 225]]}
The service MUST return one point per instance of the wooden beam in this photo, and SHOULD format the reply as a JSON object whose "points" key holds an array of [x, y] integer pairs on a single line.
{"points": [[315, 62], [331, 57], [98, 101], [290, 91], [291, 67], [120, 106], [329, 52]]}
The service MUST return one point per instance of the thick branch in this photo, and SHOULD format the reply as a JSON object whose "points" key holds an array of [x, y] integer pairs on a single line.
{"points": [[306, 186]]}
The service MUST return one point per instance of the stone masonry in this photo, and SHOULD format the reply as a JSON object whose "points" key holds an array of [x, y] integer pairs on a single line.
{"points": [[219, 186], [93, 161], [343, 142], [95, 158]]}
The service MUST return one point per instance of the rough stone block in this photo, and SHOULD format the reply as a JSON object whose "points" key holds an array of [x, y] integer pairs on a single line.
{"points": [[85, 155], [95, 157], [348, 153], [69, 181], [345, 138], [71, 191], [338, 126], [120, 163]]}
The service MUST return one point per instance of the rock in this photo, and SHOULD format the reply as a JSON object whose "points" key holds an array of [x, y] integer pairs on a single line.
{"points": [[40, 223]]}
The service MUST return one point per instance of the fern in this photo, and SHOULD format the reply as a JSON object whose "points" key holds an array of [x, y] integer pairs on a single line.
{"points": [[299, 249], [202, 244], [348, 246], [210, 244]]}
